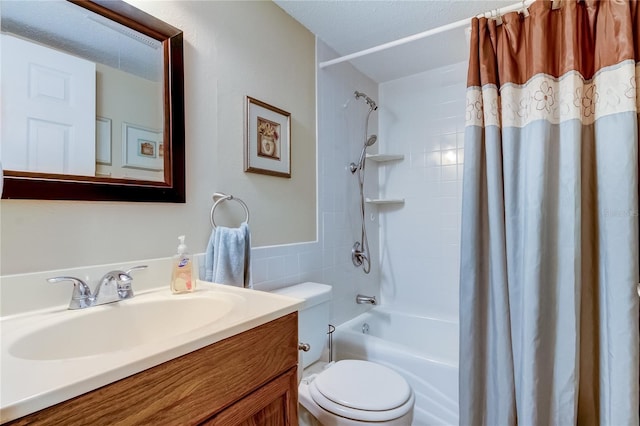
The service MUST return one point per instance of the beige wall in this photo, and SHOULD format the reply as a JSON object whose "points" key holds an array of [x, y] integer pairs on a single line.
{"points": [[123, 97], [232, 49]]}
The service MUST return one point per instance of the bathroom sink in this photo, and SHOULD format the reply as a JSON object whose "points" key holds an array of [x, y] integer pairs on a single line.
{"points": [[120, 326], [53, 354]]}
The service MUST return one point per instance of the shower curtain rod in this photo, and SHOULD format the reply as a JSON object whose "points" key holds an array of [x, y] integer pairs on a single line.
{"points": [[458, 24]]}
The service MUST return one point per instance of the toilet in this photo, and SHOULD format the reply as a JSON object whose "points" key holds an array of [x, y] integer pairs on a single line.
{"points": [[347, 392]]}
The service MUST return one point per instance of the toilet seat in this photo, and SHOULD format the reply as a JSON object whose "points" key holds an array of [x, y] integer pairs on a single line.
{"points": [[362, 390]]}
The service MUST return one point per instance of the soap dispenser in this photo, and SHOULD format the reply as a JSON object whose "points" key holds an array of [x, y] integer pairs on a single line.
{"points": [[182, 267]]}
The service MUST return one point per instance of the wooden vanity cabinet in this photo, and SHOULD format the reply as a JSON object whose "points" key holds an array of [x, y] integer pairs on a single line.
{"points": [[247, 379]]}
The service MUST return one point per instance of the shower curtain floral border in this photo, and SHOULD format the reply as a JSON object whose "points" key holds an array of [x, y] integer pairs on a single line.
{"points": [[544, 97]]}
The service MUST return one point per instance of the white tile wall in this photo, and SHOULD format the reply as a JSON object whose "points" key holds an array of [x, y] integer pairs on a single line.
{"points": [[277, 266], [422, 117], [416, 251]]}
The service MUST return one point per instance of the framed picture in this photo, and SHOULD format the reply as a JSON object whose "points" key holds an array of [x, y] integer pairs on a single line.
{"points": [[267, 139], [103, 141], [141, 148]]}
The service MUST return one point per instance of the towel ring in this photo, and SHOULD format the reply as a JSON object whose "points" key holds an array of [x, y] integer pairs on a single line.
{"points": [[218, 198]]}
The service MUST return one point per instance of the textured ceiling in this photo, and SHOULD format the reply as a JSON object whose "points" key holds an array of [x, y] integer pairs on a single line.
{"points": [[64, 26], [349, 26]]}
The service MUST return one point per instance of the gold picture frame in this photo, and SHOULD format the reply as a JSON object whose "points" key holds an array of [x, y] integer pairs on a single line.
{"points": [[267, 139]]}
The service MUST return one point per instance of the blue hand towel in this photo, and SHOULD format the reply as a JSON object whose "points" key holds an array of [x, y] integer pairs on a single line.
{"points": [[227, 259]]}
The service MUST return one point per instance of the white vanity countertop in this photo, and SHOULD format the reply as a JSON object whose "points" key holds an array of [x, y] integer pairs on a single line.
{"points": [[29, 385]]}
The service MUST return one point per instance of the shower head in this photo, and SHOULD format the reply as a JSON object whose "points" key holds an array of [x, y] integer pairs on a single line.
{"points": [[372, 104], [372, 139]]}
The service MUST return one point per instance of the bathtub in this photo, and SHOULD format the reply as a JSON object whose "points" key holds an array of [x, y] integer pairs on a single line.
{"points": [[423, 350]]}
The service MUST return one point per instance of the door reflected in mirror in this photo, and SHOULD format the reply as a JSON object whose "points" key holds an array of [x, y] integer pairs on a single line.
{"points": [[83, 94], [91, 92]]}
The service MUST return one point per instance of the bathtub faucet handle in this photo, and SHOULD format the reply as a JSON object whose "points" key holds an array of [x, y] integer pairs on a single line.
{"points": [[362, 299]]}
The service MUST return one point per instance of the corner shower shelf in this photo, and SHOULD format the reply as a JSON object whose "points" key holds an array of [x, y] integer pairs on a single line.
{"points": [[381, 158], [384, 200], [384, 158]]}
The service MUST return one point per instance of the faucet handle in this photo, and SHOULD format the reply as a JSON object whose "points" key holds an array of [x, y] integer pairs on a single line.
{"points": [[136, 268], [124, 287], [81, 296]]}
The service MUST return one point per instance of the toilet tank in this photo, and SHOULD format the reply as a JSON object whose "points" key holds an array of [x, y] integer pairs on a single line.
{"points": [[313, 317]]}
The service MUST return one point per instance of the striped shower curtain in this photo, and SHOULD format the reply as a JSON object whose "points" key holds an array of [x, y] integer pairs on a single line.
{"points": [[549, 249]]}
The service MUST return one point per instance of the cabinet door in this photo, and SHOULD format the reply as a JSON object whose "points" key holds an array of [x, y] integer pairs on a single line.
{"points": [[274, 404]]}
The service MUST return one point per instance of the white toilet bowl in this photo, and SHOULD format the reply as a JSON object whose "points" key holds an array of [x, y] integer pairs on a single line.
{"points": [[353, 392], [348, 392]]}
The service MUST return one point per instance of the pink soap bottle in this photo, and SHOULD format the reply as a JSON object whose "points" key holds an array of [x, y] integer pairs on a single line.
{"points": [[182, 270]]}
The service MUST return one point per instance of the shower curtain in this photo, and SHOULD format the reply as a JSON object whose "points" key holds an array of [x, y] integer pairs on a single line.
{"points": [[549, 246]]}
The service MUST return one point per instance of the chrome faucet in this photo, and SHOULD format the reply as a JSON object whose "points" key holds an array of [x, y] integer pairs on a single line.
{"points": [[112, 287], [362, 299]]}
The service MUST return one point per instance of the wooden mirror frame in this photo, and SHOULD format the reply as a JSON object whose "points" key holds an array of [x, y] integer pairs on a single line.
{"points": [[43, 186]]}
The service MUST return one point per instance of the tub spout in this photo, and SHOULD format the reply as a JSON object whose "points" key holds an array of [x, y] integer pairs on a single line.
{"points": [[362, 299]]}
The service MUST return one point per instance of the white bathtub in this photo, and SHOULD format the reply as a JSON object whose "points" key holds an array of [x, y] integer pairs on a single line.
{"points": [[423, 350]]}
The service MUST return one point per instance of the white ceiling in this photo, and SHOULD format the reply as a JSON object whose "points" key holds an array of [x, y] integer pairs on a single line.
{"points": [[349, 26], [67, 27]]}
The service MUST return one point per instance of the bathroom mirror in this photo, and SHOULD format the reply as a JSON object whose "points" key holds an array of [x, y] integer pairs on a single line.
{"points": [[92, 102]]}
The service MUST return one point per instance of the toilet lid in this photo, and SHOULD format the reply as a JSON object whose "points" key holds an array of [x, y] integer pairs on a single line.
{"points": [[363, 385]]}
